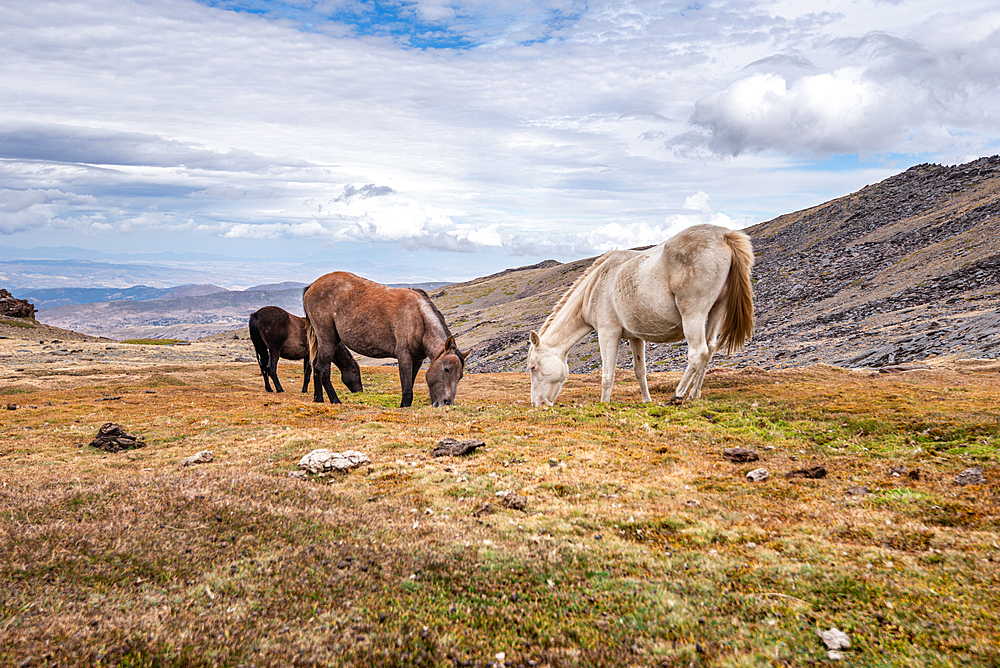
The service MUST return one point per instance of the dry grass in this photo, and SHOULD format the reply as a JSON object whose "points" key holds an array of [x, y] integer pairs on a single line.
{"points": [[640, 544]]}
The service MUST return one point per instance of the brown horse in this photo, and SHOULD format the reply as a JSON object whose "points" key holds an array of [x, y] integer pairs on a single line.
{"points": [[277, 333], [377, 321]]}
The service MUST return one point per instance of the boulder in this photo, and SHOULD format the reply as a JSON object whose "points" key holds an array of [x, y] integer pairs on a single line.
{"points": [[451, 447]]}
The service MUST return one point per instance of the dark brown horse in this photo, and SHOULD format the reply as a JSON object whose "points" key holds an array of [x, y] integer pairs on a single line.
{"points": [[377, 321], [277, 333]]}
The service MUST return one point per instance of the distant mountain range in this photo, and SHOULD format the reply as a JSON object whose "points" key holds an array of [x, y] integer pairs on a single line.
{"points": [[47, 298], [187, 312]]}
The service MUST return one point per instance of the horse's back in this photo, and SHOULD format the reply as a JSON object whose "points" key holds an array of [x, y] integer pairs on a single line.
{"points": [[366, 315], [649, 290]]}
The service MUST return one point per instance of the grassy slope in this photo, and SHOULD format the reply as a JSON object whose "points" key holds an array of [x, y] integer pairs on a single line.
{"points": [[639, 545]]}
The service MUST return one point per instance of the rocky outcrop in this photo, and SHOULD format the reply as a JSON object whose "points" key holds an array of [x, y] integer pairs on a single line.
{"points": [[12, 307]]}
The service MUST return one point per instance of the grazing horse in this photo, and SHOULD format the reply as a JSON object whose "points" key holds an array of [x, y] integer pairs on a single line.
{"points": [[377, 321], [694, 286], [277, 333]]}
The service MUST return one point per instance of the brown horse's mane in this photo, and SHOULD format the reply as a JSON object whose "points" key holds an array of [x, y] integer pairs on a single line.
{"points": [[562, 300], [440, 316]]}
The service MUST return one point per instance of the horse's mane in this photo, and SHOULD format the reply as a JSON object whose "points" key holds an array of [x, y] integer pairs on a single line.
{"points": [[440, 316], [562, 300]]}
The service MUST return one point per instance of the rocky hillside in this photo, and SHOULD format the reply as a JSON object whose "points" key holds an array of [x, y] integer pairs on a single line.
{"points": [[899, 271]]}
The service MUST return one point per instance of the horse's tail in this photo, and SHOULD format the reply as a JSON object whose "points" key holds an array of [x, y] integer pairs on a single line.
{"points": [[738, 325], [313, 342], [263, 357]]}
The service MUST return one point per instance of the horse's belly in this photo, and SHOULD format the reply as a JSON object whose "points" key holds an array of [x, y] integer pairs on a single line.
{"points": [[656, 326], [662, 336]]}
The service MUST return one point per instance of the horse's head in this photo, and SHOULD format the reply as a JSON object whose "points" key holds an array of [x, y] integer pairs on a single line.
{"points": [[444, 373], [351, 377], [548, 371]]}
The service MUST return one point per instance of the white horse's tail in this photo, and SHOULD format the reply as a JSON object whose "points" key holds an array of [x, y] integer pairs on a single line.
{"points": [[738, 325]]}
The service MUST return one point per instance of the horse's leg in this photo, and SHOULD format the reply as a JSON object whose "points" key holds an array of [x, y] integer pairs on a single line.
{"points": [[265, 371], [408, 369], [272, 370], [713, 327], [321, 367], [328, 384], [697, 357], [639, 362], [306, 372], [608, 342]]}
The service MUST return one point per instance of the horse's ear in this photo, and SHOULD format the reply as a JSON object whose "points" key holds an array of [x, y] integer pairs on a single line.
{"points": [[449, 343], [533, 337]]}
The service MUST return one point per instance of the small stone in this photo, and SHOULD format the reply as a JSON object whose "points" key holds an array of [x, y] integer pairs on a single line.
{"points": [[834, 655], [484, 509], [202, 457], [758, 475], [740, 455], [973, 476], [514, 502], [835, 639], [858, 490], [811, 472]]}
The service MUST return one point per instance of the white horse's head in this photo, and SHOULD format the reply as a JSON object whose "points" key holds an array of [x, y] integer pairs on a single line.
{"points": [[548, 371]]}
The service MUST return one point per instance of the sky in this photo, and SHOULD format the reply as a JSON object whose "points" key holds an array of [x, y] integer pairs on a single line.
{"points": [[432, 140]]}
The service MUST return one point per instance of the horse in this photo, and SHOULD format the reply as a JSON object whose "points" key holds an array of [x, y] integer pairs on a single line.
{"points": [[694, 286], [277, 333], [379, 321]]}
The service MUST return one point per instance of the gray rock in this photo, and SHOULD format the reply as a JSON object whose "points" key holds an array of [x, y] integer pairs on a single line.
{"points": [[323, 460], [758, 475], [973, 476], [450, 447], [740, 455], [203, 457], [811, 472]]}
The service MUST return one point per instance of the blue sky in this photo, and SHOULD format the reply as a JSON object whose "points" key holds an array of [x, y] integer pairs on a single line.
{"points": [[444, 140]]}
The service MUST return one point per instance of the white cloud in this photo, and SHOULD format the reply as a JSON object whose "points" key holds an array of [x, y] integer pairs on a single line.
{"points": [[33, 209], [696, 211], [833, 112]]}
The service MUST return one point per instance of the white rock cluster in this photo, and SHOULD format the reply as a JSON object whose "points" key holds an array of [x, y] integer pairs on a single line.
{"points": [[324, 461]]}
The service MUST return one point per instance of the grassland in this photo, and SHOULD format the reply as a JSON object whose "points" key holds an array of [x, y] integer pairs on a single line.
{"points": [[639, 544]]}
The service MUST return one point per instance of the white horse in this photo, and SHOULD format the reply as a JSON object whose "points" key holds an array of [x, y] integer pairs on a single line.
{"points": [[694, 286]]}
